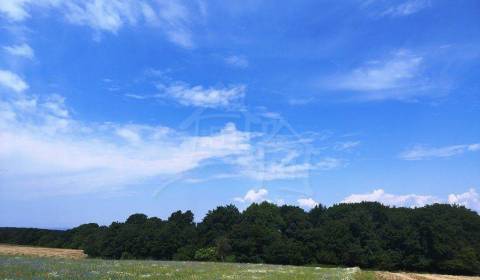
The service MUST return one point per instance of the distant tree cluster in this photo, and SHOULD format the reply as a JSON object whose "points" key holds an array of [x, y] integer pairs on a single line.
{"points": [[437, 238]]}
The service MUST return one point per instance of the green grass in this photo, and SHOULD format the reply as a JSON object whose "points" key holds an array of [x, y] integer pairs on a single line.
{"points": [[21, 267]]}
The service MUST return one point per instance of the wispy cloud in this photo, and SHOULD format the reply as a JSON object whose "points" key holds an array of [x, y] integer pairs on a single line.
{"points": [[76, 156], [173, 17], [282, 157], [198, 96], [283, 170], [72, 156], [237, 61], [406, 8], [176, 19], [397, 76], [12, 81], [14, 9], [300, 101], [421, 152], [18, 10], [22, 50], [44, 149], [137, 96], [103, 15], [346, 146], [469, 199]]}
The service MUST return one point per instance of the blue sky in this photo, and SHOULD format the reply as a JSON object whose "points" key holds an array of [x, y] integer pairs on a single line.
{"points": [[109, 108]]}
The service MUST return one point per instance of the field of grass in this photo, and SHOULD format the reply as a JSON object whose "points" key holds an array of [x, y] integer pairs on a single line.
{"points": [[29, 267], [24, 262]]}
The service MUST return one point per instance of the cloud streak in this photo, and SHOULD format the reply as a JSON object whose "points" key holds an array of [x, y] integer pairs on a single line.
{"points": [[423, 153], [406, 8], [22, 50], [397, 76], [237, 61], [198, 96], [172, 17], [44, 149], [12, 81]]}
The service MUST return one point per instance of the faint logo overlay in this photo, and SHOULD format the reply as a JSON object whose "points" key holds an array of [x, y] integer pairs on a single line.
{"points": [[259, 146]]}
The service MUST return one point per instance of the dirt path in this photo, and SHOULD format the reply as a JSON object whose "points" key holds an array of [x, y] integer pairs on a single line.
{"points": [[414, 276], [41, 252]]}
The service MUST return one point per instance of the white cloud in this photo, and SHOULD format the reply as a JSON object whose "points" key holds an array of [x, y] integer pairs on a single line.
{"points": [[44, 150], [397, 76], [172, 17], [136, 96], [129, 135], [237, 61], [266, 165], [22, 50], [17, 10], [407, 8], [55, 105], [198, 96], [14, 9], [422, 153], [277, 171], [307, 202], [346, 146], [258, 196], [271, 115], [253, 196], [12, 81], [470, 199], [328, 163], [283, 156], [381, 196], [103, 15], [300, 101]]}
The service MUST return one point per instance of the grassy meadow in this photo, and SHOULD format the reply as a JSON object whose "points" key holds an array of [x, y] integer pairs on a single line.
{"points": [[28, 262], [30, 267]]}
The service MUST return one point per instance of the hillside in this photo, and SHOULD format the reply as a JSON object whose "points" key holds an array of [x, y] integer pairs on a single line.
{"points": [[437, 238]]}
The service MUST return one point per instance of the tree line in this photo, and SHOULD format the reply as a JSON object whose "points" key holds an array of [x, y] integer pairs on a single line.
{"points": [[437, 238]]}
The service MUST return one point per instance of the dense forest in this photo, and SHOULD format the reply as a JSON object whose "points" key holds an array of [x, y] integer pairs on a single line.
{"points": [[437, 238]]}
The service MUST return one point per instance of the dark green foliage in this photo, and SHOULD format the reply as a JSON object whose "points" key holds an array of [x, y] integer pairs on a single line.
{"points": [[436, 238], [223, 248], [33, 236], [217, 224]]}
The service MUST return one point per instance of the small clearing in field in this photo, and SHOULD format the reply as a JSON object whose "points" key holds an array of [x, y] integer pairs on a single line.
{"points": [[41, 252], [418, 276]]}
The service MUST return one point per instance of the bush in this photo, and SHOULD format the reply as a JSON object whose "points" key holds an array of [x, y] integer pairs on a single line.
{"points": [[206, 254]]}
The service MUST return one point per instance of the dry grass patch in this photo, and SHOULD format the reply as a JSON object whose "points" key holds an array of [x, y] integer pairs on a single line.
{"points": [[41, 252], [415, 276]]}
